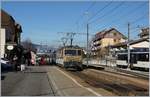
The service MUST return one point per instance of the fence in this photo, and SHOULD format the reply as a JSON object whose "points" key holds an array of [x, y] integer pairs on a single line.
{"points": [[106, 61]]}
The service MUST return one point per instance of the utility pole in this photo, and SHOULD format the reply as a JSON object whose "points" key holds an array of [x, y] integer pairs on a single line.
{"points": [[87, 54], [87, 43], [149, 47], [128, 46]]}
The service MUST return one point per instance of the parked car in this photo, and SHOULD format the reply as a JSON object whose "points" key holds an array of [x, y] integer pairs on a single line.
{"points": [[5, 65]]}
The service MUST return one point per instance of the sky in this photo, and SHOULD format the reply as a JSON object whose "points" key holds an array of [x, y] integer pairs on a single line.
{"points": [[42, 21]]}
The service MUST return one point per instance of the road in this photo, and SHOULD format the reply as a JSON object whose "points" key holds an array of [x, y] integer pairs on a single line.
{"points": [[30, 83]]}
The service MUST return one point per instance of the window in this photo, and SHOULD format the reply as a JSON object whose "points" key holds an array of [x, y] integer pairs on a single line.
{"points": [[73, 52], [143, 57], [115, 33], [122, 57], [70, 52]]}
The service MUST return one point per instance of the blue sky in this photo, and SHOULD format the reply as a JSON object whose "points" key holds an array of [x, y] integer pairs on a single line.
{"points": [[41, 21]]}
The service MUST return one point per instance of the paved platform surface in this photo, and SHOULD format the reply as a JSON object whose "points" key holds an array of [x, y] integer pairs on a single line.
{"points": [[32, 82], [42, 81], [66, 86]]}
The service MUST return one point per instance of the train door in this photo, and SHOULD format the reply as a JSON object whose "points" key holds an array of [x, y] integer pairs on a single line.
{"points": [[133, 59]]}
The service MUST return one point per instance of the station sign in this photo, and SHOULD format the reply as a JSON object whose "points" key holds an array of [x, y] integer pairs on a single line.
{"points": [[10, 47]]}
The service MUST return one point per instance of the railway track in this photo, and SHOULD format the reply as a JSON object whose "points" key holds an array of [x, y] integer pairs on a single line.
{"points": [[120, 71], [116, 86], [144, 76]]}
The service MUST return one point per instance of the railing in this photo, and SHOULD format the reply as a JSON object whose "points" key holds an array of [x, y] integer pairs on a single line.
{"points": [[107, 62]]}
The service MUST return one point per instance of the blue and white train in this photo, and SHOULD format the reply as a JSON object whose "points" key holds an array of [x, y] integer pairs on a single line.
{"points": [[139, 59]]}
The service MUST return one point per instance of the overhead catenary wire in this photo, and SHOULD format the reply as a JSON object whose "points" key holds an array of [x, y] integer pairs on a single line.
{"points": [[100, 10], [140, 18], [90, 7], [92, 4], [138, 27], [81, 16], [110, 11], [120, 4], [135, 32], [124, 15], [120, 14]]}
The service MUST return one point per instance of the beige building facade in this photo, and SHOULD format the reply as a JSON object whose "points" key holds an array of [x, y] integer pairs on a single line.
{"points": [[106, 38], [2, 42]]}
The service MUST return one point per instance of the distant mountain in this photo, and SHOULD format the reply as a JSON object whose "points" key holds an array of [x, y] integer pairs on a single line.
{"points": [[44, 48]]}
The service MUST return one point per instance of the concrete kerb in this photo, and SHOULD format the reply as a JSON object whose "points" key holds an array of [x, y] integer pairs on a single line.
{"points": [[56, 90], [69, 88]]}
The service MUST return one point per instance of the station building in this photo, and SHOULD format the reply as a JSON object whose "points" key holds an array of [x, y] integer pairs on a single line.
{"points": [[10, 33]]}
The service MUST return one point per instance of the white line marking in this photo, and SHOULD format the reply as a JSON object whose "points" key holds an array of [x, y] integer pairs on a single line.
{"points": [[89, 89]]}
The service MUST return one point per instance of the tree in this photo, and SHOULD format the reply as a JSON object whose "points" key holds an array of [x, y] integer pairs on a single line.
{"points": [[28, 45], [103, 52]]}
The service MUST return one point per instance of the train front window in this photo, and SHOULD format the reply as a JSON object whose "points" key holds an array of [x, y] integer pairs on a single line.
{"points": [[70, 52]]}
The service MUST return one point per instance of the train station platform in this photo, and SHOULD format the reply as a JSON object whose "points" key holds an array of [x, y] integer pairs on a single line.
{"points": [[65, 85]]}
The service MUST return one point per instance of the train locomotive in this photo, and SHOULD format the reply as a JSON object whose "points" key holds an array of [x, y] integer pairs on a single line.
{"points": [[70, 57]]}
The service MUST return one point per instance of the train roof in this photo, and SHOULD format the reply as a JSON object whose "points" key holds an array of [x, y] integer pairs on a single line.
{"points": [[137, 50], [75, 47]]}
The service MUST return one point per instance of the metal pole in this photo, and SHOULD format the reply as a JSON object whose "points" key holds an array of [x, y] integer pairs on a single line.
{"points": [[149, 45], [87, 44], [87, 54], [71, 41], [128, 45]]}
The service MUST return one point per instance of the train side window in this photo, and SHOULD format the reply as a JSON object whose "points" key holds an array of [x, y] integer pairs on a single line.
{"points": [[147, 57], [143, 57], [122, 56]]}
